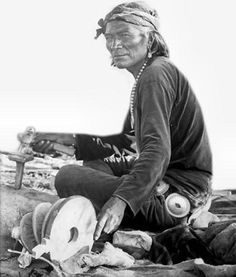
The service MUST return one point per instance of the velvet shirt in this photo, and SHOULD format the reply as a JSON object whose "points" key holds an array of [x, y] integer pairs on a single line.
{"points": [[170, 135]]}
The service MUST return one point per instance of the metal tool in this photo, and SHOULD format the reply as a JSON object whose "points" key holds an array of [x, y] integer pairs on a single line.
{"points": [[25, 153], [22, 155]]}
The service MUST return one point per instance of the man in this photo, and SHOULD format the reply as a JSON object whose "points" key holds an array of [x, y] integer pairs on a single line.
{"points": [[163, 148]]}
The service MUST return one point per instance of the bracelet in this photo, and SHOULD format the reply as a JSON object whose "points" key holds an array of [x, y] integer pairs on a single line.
{"points": [[74, 137]]}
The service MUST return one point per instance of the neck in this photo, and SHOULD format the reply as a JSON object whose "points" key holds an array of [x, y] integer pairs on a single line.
{"points": [[134, 70]]}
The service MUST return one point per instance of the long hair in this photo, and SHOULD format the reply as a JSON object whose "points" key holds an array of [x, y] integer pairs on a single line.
{"points": [[159, 46]]}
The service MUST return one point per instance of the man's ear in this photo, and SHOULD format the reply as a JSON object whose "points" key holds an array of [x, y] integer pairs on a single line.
{"points": [[150, 39]]}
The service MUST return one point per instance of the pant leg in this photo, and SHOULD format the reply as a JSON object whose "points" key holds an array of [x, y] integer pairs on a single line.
{"points": [[194, 184], [153, 215], [98, 186]]}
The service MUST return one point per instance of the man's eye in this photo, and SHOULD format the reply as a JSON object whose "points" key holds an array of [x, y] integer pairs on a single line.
{"points": [[108, 37], [125, 35]]}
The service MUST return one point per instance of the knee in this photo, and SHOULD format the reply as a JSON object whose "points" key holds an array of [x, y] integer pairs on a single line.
{"points": [[63, 179]]}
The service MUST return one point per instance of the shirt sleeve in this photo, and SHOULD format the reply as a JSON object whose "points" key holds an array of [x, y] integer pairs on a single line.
{"points": [[153, 108], [92, 147]]}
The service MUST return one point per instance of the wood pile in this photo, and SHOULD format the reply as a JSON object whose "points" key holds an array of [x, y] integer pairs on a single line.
{"points": [[38, 174]]}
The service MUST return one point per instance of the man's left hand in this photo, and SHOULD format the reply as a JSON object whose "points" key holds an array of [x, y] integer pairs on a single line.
{"points": [[110, 216]]}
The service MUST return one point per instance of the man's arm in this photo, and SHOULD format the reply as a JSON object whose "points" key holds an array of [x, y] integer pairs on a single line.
{"points": [[154, 107], [87, 147], [155, 100]]}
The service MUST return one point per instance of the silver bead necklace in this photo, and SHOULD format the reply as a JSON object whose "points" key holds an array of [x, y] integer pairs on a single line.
{"points": [[133, 91]]}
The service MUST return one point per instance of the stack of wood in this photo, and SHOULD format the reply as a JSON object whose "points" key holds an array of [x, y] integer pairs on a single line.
{"points": [[38, 174]]}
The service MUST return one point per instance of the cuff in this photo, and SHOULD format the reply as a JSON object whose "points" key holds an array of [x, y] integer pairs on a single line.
{"points": [[127, 202], [76, 146]]}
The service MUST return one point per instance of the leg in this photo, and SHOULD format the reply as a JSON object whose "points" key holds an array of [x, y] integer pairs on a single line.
{"points": [[96, 182], [195, 185], [93, 184], [99, 186], [99, 165], [152, 216]]}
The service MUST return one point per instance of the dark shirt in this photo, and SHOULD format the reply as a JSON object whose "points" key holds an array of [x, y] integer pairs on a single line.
{"points": [[171, 138]]}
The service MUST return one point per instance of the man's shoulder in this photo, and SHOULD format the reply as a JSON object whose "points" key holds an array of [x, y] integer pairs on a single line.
{"points": [[161, 68], [162, 63]]}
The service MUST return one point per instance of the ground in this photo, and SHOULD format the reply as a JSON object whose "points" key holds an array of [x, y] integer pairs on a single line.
{"points": [[40, 173]]}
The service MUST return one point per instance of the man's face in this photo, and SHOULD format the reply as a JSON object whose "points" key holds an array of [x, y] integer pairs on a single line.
{"points": [[126, 43]]}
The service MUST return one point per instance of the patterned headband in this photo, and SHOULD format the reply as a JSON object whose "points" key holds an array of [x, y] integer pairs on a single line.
{"points": [[133, 15]]}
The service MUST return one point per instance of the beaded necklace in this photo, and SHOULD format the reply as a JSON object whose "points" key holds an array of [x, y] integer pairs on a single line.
{"points": [[133, 91]]}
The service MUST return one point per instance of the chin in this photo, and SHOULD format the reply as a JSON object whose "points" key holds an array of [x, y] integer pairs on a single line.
{"points": [[120, 64]]}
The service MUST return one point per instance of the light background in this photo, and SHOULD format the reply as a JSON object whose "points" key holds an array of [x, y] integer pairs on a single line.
{"points": [[56, 77]]}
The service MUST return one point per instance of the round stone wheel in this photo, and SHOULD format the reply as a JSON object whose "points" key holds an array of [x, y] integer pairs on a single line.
{"points": [[48, 215], [70, 227], [38, 217], [26, 232]]}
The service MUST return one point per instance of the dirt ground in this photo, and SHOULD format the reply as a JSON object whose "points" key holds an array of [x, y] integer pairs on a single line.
{"points": [[39, 175]]}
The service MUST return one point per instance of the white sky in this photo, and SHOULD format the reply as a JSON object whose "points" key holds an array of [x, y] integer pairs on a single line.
{"points": [[56, 77]]}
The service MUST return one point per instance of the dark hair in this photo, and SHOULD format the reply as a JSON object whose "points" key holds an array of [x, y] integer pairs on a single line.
{"points": [[159, 46]]}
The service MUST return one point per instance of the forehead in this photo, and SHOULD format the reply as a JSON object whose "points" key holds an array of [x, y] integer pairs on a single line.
{"points": [[118, 26]]}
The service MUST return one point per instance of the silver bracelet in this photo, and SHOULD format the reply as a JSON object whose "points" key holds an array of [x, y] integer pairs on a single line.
{"points": [[74, 137]]}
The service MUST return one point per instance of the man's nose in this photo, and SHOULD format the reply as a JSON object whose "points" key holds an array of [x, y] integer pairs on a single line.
{"points": [[116, 43]]}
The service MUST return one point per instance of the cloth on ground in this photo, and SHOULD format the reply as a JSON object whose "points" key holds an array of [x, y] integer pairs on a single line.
{"points": [[216, 245], [178, 244], [221, 239]]}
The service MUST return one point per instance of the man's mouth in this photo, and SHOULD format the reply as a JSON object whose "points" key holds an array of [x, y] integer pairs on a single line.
{"points": [[119, 55]]}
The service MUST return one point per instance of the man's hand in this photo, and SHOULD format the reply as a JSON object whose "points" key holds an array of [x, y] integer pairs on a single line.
{"points": [[43, 142], [110, 216]]}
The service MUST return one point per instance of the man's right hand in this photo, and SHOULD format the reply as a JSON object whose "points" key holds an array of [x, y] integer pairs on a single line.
{"points": [[43, 142]]}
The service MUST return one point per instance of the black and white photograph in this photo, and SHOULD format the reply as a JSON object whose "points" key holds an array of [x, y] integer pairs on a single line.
{"points": [[118, 138]]}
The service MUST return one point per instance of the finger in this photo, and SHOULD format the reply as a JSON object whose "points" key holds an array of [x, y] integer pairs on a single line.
{"points": [[110, 225], [99, 227], [43, 147], [47, 147], [40, 136], [37, 146]]}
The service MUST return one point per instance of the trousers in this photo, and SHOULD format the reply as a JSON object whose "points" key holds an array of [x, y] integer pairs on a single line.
{"points": [[97, 180]]}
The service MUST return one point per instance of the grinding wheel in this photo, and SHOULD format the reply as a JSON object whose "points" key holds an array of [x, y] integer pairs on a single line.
{"points": [[69, 227], [39, 214], [48, 215], [26, 232]]}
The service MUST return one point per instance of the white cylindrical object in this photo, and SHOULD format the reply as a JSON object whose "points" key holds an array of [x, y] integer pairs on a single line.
{"points": [[177, 205]]}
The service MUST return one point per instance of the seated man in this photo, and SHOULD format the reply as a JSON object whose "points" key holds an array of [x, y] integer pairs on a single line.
{"points": [[163, 148]]}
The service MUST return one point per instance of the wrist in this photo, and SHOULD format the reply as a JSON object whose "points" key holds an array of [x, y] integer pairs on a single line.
{"points": [[120, 200], [76, 146]]}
